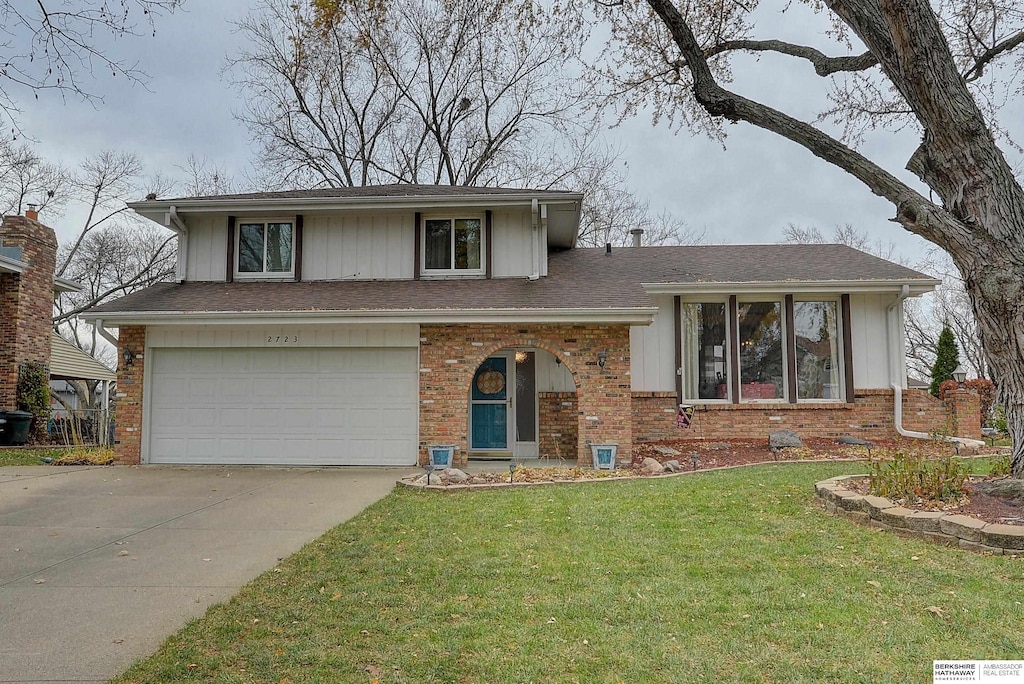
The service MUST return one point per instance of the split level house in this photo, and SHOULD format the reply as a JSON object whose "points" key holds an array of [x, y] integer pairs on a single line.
{"points": [[359, 326]]}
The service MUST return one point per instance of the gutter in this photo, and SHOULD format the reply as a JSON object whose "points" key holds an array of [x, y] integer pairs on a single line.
{"points": [[632, 316], [916, 287], [307, 204]]}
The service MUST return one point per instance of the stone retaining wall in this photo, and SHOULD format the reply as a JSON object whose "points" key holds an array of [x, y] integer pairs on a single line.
{"points": [[947, 529]]}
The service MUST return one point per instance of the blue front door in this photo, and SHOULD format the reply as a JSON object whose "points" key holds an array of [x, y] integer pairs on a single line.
{"points": [[489, 405]]}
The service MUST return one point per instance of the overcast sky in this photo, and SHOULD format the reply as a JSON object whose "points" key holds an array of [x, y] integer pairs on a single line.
{"points": [[746, 193]]}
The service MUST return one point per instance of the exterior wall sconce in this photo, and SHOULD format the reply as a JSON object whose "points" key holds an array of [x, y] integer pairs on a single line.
{"points": [[129, 358], [960, 375], [602, 358]]}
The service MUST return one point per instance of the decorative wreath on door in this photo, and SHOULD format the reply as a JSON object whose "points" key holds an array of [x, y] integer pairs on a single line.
{"points": [[490, 382]]}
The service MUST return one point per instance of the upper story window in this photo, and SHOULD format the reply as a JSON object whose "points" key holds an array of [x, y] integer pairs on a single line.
{"points": [[453, 245], [265, 249]]}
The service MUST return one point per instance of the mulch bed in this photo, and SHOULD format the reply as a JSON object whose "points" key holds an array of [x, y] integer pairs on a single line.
{"points": [[975, 504], [745, 452]]}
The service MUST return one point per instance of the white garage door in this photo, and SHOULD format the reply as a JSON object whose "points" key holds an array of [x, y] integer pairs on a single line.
{"points": [[314, 406]]}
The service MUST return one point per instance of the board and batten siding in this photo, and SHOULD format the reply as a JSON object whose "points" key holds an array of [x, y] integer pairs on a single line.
{"points": [[551, 375], [869, 335], [652, 349], [511, 253], [207, 249], [366, 246], [298, 336], [358, 247]]}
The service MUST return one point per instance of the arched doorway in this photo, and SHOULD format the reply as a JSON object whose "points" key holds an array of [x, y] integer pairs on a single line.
{"points": [[505, 413]]}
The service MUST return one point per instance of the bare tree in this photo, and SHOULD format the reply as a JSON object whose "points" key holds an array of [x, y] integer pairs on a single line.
{"points": [[203, 177], [459, 93], [26, 177], [418, 92], [937, 70], [61, 45]]}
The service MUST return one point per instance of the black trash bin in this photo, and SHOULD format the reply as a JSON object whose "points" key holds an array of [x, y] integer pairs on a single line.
{"points": [[16, 430]]}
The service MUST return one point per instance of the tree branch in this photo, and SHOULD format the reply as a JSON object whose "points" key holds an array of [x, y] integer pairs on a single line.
{"points": [[927, 219], [823, 64], [977, 70]]}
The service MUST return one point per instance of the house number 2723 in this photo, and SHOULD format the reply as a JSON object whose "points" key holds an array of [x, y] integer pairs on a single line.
{"points": [[282, 339]]}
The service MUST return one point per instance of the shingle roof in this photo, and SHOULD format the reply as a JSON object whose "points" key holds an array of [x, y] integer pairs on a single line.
{"points": [[577, 279], [368, 191]]}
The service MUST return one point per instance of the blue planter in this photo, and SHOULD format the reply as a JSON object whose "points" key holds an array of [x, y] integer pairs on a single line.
{"points": [[441, 455], [604, 455]]}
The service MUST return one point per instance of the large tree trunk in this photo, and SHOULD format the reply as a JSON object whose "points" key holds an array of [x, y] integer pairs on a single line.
{"points": [[999, 310]]}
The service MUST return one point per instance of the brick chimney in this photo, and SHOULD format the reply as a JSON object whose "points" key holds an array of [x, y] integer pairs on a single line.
{"points": [[26, 299]]}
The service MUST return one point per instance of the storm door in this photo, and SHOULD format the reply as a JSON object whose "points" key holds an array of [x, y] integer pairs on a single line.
{"points": [[491, 405]]}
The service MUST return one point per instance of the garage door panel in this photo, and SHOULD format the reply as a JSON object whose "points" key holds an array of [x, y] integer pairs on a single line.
{"points": [[312, 406], [233, 418], [233, 387], [202, 418], [299, 418]]}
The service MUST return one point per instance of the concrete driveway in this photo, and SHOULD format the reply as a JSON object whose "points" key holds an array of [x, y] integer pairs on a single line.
{"points": [[99, 565]]}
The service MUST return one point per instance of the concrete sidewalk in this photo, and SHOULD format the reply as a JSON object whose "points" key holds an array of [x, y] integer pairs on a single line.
{"points": [[99, 564]]}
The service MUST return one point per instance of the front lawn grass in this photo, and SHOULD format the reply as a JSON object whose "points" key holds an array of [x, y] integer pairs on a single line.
{"points": [[24, 457], [732, 575]]}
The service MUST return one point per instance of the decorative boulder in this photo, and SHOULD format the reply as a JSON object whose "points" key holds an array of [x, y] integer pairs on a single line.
{"points": [[651, 467], [782, 439], [1008, 489], [672, 466], [454, 475]]}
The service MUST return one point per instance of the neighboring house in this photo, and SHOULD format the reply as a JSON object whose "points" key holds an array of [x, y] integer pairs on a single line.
{"points": [[28, 255], [360, 325], [67, 363]]}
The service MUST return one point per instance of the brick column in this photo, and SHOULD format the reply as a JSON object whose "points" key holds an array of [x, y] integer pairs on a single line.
{"points": [[965, 408], [128, 415], [26, 301]]}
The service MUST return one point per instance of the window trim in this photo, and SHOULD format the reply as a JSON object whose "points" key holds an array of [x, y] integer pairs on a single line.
{"points": [[780, 300], [453, 272], [263, 275], [685, 379], [840, 347]]}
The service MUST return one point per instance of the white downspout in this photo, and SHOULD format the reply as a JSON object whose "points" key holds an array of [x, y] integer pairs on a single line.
{"points": [[535, 210], [104, 333], [175, 223], [896, 379]]}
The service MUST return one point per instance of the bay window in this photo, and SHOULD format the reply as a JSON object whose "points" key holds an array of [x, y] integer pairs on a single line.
{"points": [[772, 350]]}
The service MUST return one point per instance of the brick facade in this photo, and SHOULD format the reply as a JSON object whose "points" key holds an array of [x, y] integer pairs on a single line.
{"points": [[128, 433], [450, 355], [558, 425], [869, 417], [26, 302]]}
